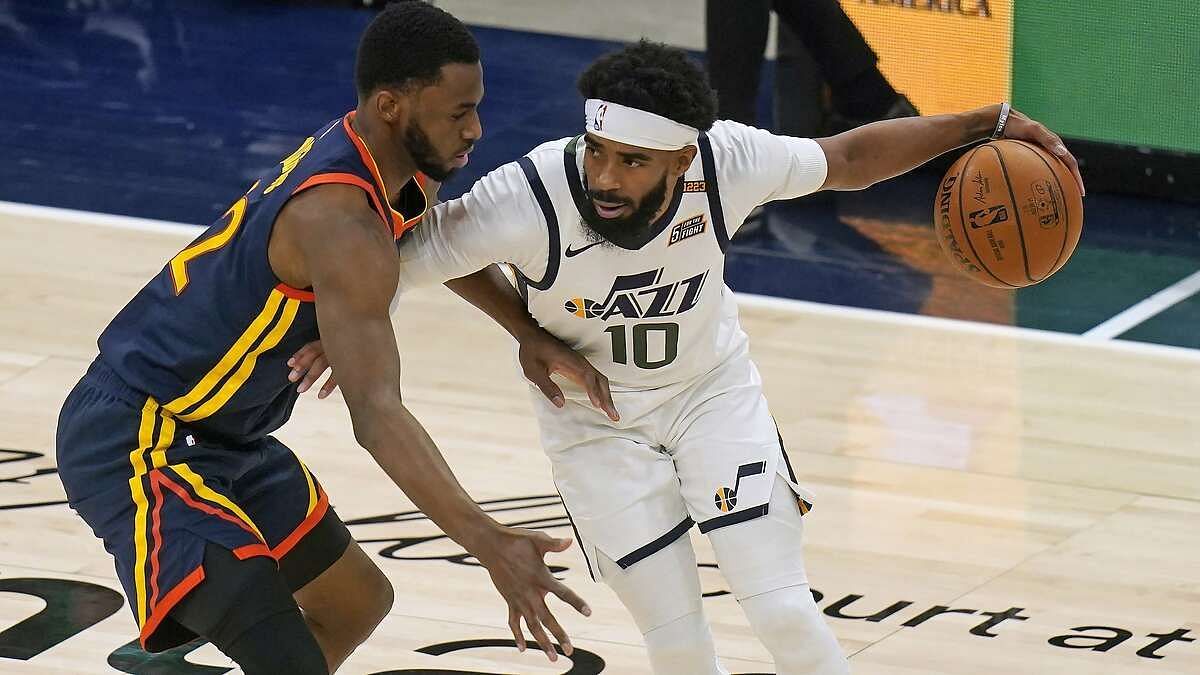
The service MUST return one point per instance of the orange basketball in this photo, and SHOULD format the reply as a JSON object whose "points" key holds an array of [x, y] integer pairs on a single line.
{"points": [[1008, 214]]}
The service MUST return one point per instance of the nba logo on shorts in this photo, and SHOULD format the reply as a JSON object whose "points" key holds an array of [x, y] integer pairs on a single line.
{"points": [[598, 123]]}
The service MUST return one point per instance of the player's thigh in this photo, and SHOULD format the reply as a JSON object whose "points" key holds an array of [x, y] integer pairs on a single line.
{"points": [[293, 512], [763, 554], [730, 456], [620, 491], [158, 495], [352, 591], [333, 579], [658, 589]]}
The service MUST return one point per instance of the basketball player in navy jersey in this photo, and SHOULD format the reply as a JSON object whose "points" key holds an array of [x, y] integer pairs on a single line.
{"points": [[617, 239], [164, 448]]}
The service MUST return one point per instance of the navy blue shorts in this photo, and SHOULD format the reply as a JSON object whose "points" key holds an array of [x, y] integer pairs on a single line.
{"points": [[156, 491]]}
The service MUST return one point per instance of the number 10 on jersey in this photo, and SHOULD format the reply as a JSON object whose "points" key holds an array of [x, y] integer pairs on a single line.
{"points": [[642, 335]]}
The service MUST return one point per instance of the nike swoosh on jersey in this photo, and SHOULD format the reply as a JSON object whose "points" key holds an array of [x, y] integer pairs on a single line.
{"points": [[572, 252]]}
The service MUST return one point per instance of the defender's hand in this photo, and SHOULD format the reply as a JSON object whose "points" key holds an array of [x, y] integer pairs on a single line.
{"points": [[542, 355], [307, 366], [513, 558], [1020, 127]]}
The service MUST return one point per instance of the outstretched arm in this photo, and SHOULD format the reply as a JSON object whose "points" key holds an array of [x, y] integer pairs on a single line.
{"points": [[874, 152], [349, 258]]}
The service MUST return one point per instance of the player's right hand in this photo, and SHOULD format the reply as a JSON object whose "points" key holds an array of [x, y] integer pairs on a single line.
{"points": [[542, 355], [308, 364], [514, 559], [1021, 127]]}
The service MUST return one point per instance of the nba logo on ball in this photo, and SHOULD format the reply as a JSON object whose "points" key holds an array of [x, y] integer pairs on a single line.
{"points": [[996, 213]]}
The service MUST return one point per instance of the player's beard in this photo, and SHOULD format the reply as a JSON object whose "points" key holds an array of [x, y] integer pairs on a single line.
{"points": [[421, 149], [631, 230]]}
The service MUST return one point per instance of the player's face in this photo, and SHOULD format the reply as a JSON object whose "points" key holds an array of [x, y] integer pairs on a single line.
{"points": [[444, 124], [629, 186]]}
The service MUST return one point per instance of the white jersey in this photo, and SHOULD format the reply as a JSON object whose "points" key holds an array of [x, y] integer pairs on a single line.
{"points": [[646, 317]]}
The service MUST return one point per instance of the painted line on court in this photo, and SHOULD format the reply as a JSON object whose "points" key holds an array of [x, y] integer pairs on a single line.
{"points": [[961, 325], [1160, 301], [98, 219], [745, 299]]}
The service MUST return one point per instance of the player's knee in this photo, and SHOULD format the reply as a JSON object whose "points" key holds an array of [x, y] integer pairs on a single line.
{"points": [[372, 602], [351, 603], [376, 599], [683, 646], [278, 644], [792, 629], [384, 598]]}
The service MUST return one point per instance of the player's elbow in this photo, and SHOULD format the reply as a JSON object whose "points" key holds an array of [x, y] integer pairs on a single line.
{"points": [[848, 166], [369, 417], [847, 181]]}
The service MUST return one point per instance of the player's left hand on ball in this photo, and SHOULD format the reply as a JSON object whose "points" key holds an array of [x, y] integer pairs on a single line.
{"points": [[543, 355], [1022, 128], [307, 366]]}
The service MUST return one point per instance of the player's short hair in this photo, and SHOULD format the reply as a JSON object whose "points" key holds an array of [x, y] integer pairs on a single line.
{"points": [[407, 44], [656, 78]]}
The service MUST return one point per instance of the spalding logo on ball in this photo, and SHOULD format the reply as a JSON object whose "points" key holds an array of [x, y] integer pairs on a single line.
{"points": [[1008, 214]]}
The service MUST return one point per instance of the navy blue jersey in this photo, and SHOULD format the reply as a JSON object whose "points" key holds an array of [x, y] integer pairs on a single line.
{"points": [[210, 335]]}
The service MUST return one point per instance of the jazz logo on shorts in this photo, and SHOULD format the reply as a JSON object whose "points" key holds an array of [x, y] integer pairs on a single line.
{"points": [[726, 498]]}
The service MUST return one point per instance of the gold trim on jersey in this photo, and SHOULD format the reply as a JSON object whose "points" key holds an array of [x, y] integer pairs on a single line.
{"points": [[140, 535], [239, 360], [156, 445], [312, 488], [178, 264]]}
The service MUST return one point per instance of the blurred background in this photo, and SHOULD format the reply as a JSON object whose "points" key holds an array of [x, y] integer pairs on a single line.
{"points": [[165, 109]]}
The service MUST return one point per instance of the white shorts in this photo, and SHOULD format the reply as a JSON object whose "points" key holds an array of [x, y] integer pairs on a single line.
{"points": [[705, 451]]}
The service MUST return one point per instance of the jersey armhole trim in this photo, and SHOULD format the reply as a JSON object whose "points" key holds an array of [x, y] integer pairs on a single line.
{"points": [[347, 179], [396, 221], [713, 192], [296, 293], [543, 200], [306, 295]]}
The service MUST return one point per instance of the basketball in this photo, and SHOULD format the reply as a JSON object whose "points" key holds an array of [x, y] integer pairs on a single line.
{"points": [[1008, 214]]}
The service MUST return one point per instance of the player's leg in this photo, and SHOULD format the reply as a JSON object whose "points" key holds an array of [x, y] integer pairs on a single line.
{"points": [[342, 593], [345, 603], [162, 502], [740, 490], [246, 610], [762, 561], [662, 593], [622, 494]]}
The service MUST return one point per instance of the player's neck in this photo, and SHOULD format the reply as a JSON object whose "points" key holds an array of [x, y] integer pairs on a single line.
{"points": [[395, 168]]}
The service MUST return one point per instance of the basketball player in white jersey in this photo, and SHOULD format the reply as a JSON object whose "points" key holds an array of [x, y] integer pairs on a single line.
{"points": [[617, 240]]}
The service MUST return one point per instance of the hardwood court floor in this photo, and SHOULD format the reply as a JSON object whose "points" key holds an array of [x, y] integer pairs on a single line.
{"points": [[967, 469]]}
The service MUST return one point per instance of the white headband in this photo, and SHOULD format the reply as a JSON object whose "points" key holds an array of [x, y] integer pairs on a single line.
{"points": [[631, 126]]}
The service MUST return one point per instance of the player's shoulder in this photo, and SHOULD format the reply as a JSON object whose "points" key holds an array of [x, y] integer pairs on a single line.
{"points": [[727, 136], [550, 151], [546, 156], [738, 148], [331, 210], [333, 201]]}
